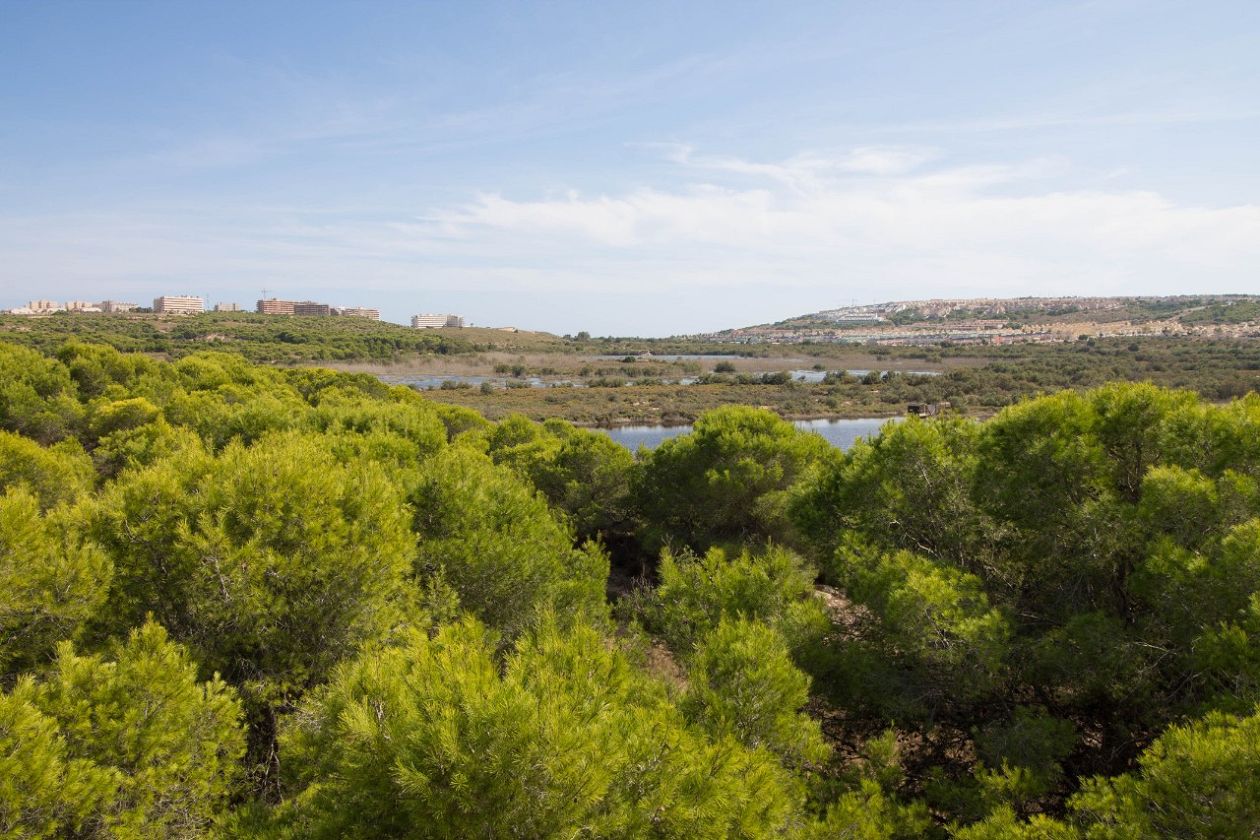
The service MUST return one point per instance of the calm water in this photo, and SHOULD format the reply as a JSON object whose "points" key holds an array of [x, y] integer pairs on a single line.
{"points": [[668, 357], [839, 433], [431, 382], [816, 376]]}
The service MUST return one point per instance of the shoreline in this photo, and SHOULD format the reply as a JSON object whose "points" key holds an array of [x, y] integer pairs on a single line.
{"points": [[801, 418]]}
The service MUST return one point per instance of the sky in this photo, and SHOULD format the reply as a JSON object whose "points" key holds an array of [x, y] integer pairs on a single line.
{"points": [[627, 168]]}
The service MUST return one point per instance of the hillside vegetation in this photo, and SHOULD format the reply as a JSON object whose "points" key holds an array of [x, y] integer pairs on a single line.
{"points": [[274, 339], [249, 601], [994, 377], [1188, 309]]}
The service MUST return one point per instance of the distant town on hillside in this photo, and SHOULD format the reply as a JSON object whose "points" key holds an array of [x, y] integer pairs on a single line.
{"points": [[195, 304], [1002, 320]]}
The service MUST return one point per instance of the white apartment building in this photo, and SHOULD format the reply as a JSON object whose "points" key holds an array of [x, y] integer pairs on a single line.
{"points": [[41, 307], [431, 321], [179, 304], [360, 312]]}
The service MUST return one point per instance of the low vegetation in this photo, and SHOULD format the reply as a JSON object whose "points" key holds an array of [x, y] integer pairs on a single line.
{"points": [[990, 379], [274, 339]]}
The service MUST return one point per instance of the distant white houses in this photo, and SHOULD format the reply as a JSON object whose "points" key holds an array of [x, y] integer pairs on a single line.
{"points": [[179, 304], [48, 307], [429, 321], [37, 307], [196, 304]]}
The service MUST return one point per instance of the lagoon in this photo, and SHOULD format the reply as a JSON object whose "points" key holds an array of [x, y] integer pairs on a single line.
{"points": [[839, 433], [431, 382]]}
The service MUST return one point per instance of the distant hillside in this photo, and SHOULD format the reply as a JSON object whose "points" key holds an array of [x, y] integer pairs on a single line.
{"points": [[1018, 319], [282, 339], [1194, 308]]}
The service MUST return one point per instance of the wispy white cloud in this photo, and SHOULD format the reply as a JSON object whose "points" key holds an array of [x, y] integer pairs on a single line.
{"points": [[995, 226], [806, 170], [812, 229], [1067, 118]]}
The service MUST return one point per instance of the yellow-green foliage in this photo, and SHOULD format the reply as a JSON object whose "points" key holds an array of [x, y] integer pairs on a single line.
{"points": [[582, 473], [773, 587], [272, 561], [727, 480], [494, 539], [391, 618], [435, 739], [125, 746], [55, 474], [52, 580], [37, 396], [743, 684], [1197, 780]]}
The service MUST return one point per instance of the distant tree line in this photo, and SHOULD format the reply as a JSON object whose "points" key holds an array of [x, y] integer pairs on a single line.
{"points": [[274, 339]]}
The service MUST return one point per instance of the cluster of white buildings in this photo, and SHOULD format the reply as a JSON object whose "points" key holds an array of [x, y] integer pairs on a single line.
{"points": [[196, 304], [169, 304], [48, 307], [856, 315]]}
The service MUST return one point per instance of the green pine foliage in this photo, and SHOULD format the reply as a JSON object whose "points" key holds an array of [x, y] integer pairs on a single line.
{"points": [[582, 473], [1050, 589], [55, 474], [243, 601], [128, 745], [773, 587], [435, 738], [1195, 780], [52, 581], [492, 537], [743, 684], [727, 481], [37, 396], [272, 562]]}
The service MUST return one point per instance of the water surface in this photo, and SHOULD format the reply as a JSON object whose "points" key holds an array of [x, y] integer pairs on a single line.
{"points": [[430, 382], [668, 357], [839, 433]]}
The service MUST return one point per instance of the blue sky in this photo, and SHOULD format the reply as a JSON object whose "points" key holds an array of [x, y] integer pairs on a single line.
{"points": [[633, 168]]}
